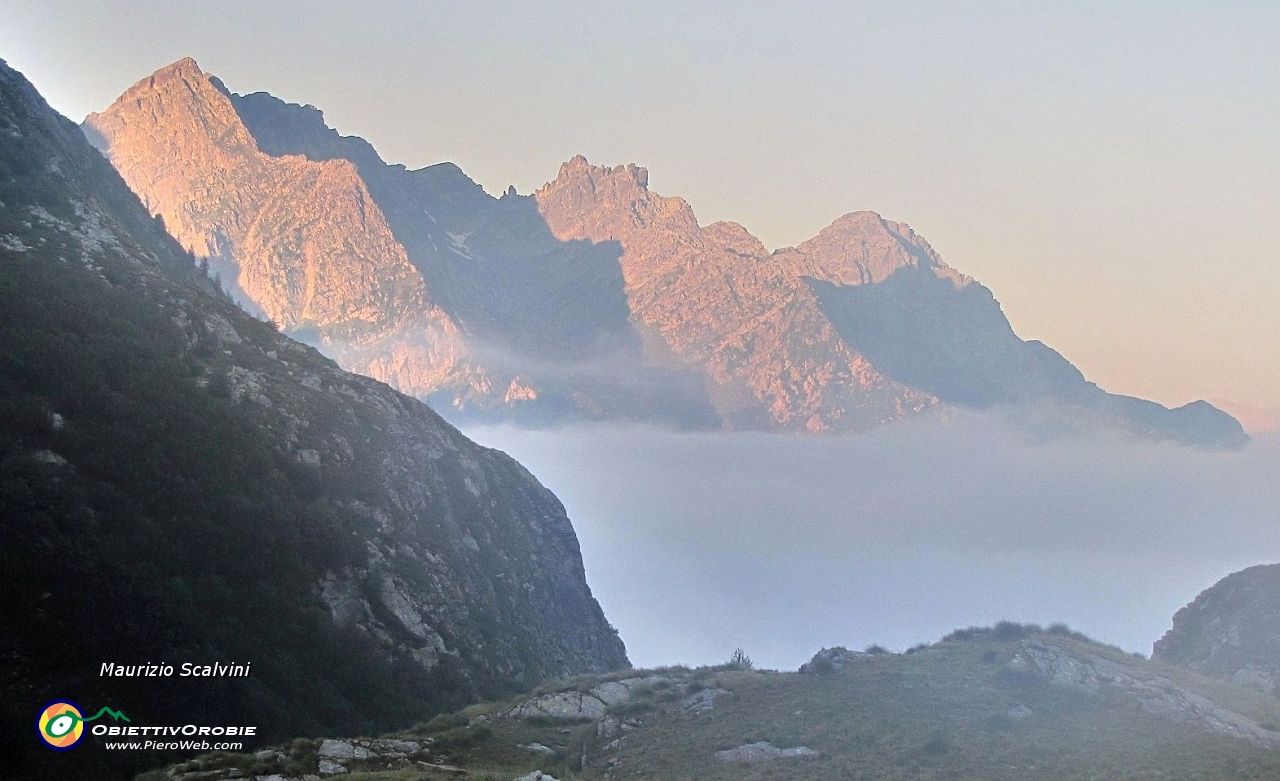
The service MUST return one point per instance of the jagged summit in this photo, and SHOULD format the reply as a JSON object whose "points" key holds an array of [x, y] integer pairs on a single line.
{"points": [[191, 104], [579, 168], [183, 69], [595, 297], [582, 196], [185, 65]]}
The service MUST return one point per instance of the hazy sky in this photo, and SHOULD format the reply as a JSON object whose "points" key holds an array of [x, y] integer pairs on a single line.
{"points": [[699, 543], [1110, 170]]}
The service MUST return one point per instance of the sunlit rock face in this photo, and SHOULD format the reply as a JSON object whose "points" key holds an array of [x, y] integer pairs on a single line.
{"points": [[717, 299], [594, 297], [299, 241], [861, 325], [1231, 630]]}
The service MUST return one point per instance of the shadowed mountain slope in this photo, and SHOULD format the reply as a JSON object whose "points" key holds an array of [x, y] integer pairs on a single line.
{"points": [[179, 482]]}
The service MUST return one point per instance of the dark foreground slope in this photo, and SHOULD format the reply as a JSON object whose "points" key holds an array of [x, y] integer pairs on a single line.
{"points": [[1008, 704], [181, 483]]}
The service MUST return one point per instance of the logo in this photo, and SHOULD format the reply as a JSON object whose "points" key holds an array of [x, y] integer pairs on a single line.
{"points": [[61, 723]]}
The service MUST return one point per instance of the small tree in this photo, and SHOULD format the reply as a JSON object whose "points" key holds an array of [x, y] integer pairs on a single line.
{"points": [[739, 660]]}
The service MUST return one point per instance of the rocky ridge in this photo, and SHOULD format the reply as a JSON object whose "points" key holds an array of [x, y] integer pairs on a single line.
{"points": [[594, 297], [1156, 694], [861, 325], [417, 278]]}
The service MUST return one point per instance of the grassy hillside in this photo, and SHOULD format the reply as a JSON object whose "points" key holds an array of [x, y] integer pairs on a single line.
{"points": [[964, 708]]}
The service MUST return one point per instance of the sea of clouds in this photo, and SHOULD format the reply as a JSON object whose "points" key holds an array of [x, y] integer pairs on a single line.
{"points": [[698, 543]]}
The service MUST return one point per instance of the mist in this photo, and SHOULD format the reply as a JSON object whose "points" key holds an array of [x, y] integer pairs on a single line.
{"points": [[698, 543]]}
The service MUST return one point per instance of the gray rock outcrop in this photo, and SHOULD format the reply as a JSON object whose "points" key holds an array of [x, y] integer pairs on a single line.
{"points": [[563, 706], [1158, 695], [832, 660], [763, 751], [702, 701], [591, 705], [1231, 630]]}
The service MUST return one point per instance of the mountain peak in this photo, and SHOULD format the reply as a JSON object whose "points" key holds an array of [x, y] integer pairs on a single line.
{"points": [[579, 169], [185, 69], [705, 292], [862, 247], [867, 223], [858, 218], [191, 83], [615, 200], [185, 66]]}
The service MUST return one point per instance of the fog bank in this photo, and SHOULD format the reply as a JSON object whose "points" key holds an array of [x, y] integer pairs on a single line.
{"points": [[699, 543]]}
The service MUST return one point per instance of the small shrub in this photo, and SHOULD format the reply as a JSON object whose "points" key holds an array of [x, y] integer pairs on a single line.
{"points": [[673, 669], [1011, 630], [739, 660], [462, 738], [876, 650], [1062, 630], [968, 633], [302, 751], [632, 708], [822, 666], [642, 691], [440, 723]]}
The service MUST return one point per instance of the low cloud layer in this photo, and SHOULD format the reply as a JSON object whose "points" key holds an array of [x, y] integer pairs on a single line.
{"points": [[699, 543]]}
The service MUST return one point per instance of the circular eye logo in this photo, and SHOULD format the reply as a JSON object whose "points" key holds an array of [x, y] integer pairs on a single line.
{"points": [[61, 725]]}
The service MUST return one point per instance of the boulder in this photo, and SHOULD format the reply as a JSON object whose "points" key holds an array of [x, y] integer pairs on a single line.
{"points": [[763, 751], [832, 660]]}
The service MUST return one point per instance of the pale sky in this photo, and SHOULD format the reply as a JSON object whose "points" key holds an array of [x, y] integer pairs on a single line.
{"points": [[1109, 170]]}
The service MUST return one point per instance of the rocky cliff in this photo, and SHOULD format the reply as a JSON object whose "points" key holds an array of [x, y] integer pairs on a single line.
{"points": [[300, 241], [181, 482], [861, 325], [595, 297], [1231, 630]]}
